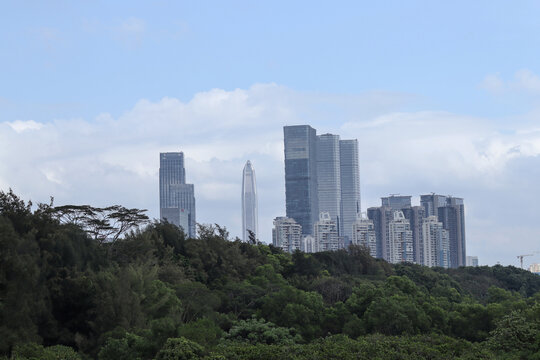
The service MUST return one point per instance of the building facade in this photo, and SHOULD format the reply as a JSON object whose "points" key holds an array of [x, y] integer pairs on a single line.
{"points": [[329, 177], [326, 233], [301, 191], [176, 198], [400, 246], [363, 234], [436, 243], [287, 234], [350, 187], [250, 217]]}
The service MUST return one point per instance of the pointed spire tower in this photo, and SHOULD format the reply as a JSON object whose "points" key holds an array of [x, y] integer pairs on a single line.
{"points": [[249, 203]]}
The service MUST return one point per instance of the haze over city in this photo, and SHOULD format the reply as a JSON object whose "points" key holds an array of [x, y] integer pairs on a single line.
{"points": [[442, 100]]}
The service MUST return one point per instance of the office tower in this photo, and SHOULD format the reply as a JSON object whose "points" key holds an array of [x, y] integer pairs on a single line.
{"points": [[287, 234], [432, 203], [350, 187], [436, 243], [329, 177], [396, 202], [176, 198], [249, 202], [363, 234], [309, 244], [301, 191], [326, 233], [473, 261], [400, 247], [416, 215], [451, 212]]}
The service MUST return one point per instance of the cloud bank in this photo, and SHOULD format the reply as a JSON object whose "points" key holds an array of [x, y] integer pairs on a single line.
{"points": [[107, 160]]}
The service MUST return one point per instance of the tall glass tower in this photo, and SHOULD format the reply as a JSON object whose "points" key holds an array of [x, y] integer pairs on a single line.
{"points": [[329, 178], [176, 198], [350, 186], [250, 218], [301, 195]]}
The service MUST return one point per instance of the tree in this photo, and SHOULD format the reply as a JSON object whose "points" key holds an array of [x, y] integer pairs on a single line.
{"points": [[180, 349]]}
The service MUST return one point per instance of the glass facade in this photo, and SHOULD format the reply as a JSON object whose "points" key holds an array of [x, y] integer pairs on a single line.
{"points": [[301, 176], [176, 198], [329, 177], [350, 186]]}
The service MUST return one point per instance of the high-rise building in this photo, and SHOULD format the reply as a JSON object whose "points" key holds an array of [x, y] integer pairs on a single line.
{"points": [[176, 198], [381, 217], [326, 233], [416, 215], [400, 239], [329, 177], [309, 244], [287, 234], [321, 175], [436, 243], [301, 190], [451, 212], [249, 202], [396, 202], [363, 234], [350, 186]]}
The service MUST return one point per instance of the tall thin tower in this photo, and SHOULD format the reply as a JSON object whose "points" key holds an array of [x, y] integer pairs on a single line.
{"points": [[250, 218]]}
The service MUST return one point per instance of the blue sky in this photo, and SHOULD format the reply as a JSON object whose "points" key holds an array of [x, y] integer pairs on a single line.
{"points": [[443, 97]]}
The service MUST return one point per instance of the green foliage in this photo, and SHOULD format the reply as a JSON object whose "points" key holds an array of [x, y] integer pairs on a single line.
{"points": [[180, 349], [255, 331], [152, 289]]}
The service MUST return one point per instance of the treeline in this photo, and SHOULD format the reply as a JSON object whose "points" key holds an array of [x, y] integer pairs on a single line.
{"points": [[66, 293]]}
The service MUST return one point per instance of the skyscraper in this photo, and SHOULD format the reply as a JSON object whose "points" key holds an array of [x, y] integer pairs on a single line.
{"points": [[400, 239], [250, 219], [436, 243], [321, 175], [176, 198], [329, 177], [451, 212], [350, 186], [301, 195]]}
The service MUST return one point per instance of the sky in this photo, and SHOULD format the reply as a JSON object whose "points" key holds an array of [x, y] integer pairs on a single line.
{"points": [[443, 97]]}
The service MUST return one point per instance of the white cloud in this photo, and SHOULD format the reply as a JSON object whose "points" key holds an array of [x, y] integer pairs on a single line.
{"points": [[20, 126], [524, 80], [131, 31], [115, 160], [493, 83]]}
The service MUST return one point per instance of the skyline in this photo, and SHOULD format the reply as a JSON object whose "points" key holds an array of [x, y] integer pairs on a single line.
{"points": [[443, 98]]}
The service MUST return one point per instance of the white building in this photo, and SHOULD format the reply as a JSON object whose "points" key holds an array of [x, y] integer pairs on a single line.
{"points": [[363, 234], [400, 241], [436, 245], [287, 234], [250, 217], [326, 233], [473, 261], [308, 244]]}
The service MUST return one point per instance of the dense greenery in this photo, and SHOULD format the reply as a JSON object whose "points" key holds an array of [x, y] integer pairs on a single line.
{"points": [[154, 294]]}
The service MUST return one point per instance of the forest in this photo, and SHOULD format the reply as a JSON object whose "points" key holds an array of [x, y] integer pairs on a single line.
{"points": [[78, 282]]}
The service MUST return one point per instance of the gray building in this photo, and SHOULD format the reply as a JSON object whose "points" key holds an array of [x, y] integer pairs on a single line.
{"points": [[396, 202], [301, 194], [321, 175], [416, 215], [329, 177], [364, 235], [350, 186], [451, 212], [176, 198], [250, 217]]}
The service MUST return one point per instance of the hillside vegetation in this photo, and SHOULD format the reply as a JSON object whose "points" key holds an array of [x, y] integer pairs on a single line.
{"points": [[66, 293]]}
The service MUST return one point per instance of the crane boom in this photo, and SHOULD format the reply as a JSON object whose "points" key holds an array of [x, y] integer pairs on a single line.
{"points": [[520, 257]]}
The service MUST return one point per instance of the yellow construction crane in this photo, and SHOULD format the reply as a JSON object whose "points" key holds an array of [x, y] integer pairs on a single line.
{"points": [[520, 257]]}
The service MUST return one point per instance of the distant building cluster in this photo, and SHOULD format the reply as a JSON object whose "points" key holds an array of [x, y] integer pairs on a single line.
{"points": [[322, 191], [535, 268], [176, 198]]}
